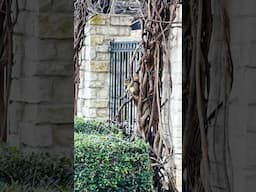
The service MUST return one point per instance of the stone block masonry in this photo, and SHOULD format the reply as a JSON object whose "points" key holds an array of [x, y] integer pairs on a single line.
{"points": [[93, 94], [41, 101], [176, 97]]}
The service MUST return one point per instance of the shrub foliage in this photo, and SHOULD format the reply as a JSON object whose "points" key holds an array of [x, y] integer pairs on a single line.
{"points": [[111, 163], [35, 169], [92, 127]]}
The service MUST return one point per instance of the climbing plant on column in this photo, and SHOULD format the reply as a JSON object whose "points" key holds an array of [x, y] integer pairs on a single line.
{"points": [[8, 18], [207, 84], [158, 19]]}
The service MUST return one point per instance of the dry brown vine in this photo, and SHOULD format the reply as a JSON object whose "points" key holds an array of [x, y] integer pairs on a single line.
{"points": [[8, 18], [199, 86], [158, 18]]}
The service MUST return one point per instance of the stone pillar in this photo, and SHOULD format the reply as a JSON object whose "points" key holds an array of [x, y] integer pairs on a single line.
{"points": [[242, 104], [176, 96], [242, 118], [41, 101], [93, 94]]}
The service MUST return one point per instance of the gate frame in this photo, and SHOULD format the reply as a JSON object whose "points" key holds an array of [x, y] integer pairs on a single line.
{"points": [[121, 53]]}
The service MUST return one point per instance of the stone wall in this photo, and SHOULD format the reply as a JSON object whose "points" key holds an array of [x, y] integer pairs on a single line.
{"points": [[176, 96], [241, 121], [41, 100], [93, 94], [242, 124]]}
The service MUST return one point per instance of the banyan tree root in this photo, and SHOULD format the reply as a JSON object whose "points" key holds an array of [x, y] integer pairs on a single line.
{"points": [[206, 23], [158, 19], [9, 11]]}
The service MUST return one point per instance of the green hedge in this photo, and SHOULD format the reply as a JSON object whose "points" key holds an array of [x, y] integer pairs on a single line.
{"points": [[34, 169], [92, 127], [14, 187], [111, 163]]}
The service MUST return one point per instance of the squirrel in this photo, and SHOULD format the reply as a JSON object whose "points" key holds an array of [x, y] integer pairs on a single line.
{"points": [[132, 86]]}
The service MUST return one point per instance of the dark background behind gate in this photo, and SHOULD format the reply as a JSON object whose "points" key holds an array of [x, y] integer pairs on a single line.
{"points": [[120, 58]]}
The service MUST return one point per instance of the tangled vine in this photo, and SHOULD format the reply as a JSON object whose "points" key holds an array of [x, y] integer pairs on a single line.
{"points": [[207, 83], [8, 18], [158, 20]]}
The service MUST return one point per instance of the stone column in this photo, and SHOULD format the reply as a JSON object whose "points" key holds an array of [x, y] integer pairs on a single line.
{"points": [[93, 94], [41, 108], [176, 98], [242, 118]]}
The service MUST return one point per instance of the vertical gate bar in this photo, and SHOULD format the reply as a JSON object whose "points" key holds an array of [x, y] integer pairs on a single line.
{"points": [[131, 101], [110, 80], [120, 81], [125, 63], [114, 88], [129, 75], [113, 80], [117, 77]]}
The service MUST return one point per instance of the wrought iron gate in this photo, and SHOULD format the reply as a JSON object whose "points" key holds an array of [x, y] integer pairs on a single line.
{"points": [[120, 58]]}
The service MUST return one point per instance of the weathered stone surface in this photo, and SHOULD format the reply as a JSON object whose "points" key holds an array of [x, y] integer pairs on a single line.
{"points": [[64, 50], [102, 113], [102, 93], [96, 40], [62, 90], [84, 65], [63, 6], [90, 54], [58, 26], [41, 91], [98, 20], [36, 135], [89, 103], [36, 49], [250, 80], [18, 45], [125, 20], [90, 76], [96, 84], [90, 30], [19, 28], [14, 140], [33, 6], [103, 77], [15, 114], [22, 90], [115, 20], [113, 31], [102, 104], [62, 135], [57, 68], [99, 66], [102, 48], [124, 31], [107, 30], [103, 56], [88, 93], [91, 113], [16, 69], [48, 113]]}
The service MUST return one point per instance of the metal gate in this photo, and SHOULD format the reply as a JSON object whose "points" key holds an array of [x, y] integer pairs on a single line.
{"points": [[120, 58]]}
